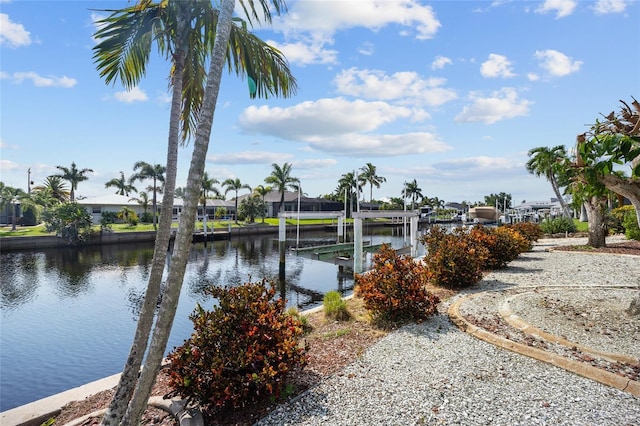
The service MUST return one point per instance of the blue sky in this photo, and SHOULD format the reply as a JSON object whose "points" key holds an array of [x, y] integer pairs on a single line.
{"points": [[450, 93]]}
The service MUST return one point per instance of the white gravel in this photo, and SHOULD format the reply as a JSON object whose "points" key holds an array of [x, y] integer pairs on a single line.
{"points": [[432, 373]]}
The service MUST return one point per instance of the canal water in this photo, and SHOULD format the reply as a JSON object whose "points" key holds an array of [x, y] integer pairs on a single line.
{"points": [[69, 314]]}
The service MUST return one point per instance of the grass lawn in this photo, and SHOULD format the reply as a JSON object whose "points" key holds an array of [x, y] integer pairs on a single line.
{"points": [[581, 226], [39, 230]]}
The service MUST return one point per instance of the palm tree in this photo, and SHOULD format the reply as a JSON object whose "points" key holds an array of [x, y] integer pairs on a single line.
{"points": [[126, 214], [413, 191], [55, 189], [142, 200], [281, 179], [156, 174], [126, 49], [548, 162], [9, 197], [347, 183], [124, 187], [207, 186], [73, 176], [234, 185], [370, 176], [262, 191]]}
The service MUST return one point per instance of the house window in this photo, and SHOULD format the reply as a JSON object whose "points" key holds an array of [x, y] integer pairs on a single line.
{"points": [[96, 210]]}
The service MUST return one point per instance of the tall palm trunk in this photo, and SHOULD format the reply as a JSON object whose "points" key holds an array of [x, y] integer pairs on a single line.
{"points": [[556, 190], [127, 382], [187, 220]]}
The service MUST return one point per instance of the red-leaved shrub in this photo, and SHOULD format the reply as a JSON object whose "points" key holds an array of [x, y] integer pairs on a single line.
{"points": [[454, 260], [240, 352], [394, 290]]}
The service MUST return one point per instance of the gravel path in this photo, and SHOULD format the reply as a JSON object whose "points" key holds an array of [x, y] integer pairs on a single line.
{"points": [[432, 373]]}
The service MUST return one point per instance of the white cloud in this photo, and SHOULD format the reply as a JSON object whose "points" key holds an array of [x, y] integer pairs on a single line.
{"points": [[341, 127], [310, 25], [134, 95], [562, 8], [603, 7], [477, 163], [384, 145], [557, 64], [313, 16], [13, 34], [496, 66], [499, 106], [314, 163], [533, 76], [326, 117], [405, 87], [8, 166], [440, 62], [249, 157], [307, 50], [366, 49], [40, 81]]}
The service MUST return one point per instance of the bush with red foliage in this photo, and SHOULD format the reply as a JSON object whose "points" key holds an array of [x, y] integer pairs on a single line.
{"points": [[531, 231], [240, 352], [454, 260], [394, 290], [503, 245]]}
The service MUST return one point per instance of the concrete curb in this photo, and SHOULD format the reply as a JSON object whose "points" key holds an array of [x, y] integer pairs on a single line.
{"points": [[582, 369]]}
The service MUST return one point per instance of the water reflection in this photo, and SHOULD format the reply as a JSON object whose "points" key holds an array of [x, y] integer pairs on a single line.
{"points": [[69, 314]]}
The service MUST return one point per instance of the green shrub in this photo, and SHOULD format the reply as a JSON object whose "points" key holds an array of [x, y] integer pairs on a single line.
{"points": [[631, 229], [454, 260], [395, 289], [559, 225], [335, 308], [240, 352], [107, 219], [146, 217]]}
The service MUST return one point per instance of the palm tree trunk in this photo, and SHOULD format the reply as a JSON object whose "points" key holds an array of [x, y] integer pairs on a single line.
{"points": [[556, 190], [187, 220], [626, 188], [127, 382]]}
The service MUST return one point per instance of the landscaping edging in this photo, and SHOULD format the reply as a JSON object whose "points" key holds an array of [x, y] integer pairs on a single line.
{"points": [[582, 369]]}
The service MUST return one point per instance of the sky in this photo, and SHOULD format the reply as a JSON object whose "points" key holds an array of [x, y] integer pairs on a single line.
{"points": [[450, 93]]}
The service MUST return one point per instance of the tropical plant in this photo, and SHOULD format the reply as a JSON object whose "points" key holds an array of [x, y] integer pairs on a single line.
{"points": [[240, 352], [347, 187], [502, 200], [53, 189], [123, 186], [143, 200], [250, 208], [281, 180], [454, 260], [412, 191], [548, 162], [155, 172], [70, 221], [270, 73], [559, 225], [395, 289], [262, 191], [334, 306], [73, 175], [369, 175], [234, 185], [613, 141], [128, 215], [207, 187], [9, 197]]}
